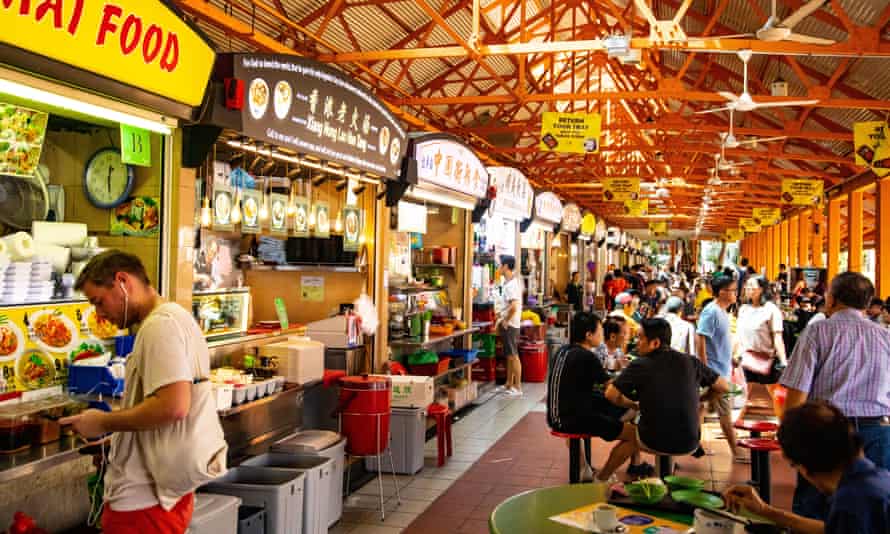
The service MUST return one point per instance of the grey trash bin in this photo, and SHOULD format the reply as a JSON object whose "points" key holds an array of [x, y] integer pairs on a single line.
{"points": [[278, 491], [251, 520], [327, 445], [214, 514], [319, 477], [407, 430]]}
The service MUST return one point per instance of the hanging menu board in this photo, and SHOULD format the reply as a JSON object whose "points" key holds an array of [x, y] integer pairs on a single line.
{"points": [[445, 162], [308, 107], [571, 218], [514, 194], [548, 207]]}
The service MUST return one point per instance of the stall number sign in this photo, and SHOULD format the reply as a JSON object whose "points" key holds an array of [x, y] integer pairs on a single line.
{"points": [[548, 207], [576, 133], [872, 148], [766, 216], [514, 195], [802, 192], [621, 189], [451, 165], [142, 43], [135, 146]]}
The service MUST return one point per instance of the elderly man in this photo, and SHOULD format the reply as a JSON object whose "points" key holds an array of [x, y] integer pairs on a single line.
{"points": [[682, 331]]}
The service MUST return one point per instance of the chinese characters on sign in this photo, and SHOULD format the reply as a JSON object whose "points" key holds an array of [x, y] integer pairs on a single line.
{"points": [[449, 164], [514, 193], [548, 207], [571, 218]]}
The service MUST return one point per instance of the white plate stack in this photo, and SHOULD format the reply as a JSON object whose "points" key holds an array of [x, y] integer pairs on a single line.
{"points": [[16, 282], [41, 285]]}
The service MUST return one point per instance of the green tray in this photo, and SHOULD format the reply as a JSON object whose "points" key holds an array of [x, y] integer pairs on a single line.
{"points": [[698, 499]]}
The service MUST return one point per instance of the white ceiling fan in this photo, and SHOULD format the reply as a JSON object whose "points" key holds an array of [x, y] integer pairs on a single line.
{"points": [[729, 140], [670, 31], [744, 102], [774, 30]]}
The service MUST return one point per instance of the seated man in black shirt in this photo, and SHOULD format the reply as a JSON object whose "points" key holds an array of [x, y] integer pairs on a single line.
{"points": [[665, 384]]}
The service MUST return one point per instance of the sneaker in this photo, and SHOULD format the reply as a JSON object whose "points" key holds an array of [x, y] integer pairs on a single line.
{"points": [[586, 473], [514, 392], [642, 470]]}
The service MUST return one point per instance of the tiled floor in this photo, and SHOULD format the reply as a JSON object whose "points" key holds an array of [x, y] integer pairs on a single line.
{"points": [[503, 448]]}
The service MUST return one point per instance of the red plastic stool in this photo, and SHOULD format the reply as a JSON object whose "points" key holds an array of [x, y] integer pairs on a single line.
{"points": [[442, 415], [575, 453], [760, 475], [756, 428]]}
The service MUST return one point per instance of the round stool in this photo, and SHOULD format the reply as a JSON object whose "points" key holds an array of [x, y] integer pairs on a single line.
{"points": [[442, 416], [575, 452], [760, 472], [756, 428]]}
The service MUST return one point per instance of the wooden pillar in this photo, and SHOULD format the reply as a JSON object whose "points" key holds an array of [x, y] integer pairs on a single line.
{"points": [[882, 241], [804, 241], [777, 250], [818, 244], [793, 235], [783, 242], [854, 232], [834, 236], [758, 250], [771, 252]]}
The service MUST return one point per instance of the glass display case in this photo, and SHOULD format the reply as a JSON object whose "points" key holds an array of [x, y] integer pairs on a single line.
{"points": [[222, 312]]}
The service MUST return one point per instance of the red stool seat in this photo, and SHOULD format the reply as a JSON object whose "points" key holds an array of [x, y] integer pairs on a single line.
{"points": [[575, 452], [760, 469], [442, 416], [760, 444], [565, 435], [756, 426]]}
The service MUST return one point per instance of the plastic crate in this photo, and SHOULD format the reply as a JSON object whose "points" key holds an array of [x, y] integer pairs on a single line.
{"points": [[431, 369], [94, 380], [485, 342], [468, 355]]}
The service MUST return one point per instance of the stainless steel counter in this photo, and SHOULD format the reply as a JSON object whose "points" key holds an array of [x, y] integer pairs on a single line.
{"points": [[38, 459]]}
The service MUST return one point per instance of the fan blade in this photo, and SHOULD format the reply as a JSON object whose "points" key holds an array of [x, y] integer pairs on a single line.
{"points": [[729, 96], [646, 11], [808, 39], [803, 12], [720, 37], [715, 110], [764, 140], [761, 105]]}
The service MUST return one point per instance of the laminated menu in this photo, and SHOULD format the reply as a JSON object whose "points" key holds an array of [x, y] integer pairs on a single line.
{"points": [[634, 522]]}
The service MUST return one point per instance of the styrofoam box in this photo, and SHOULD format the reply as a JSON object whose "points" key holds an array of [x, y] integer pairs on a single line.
{"points": [[300, 361], [412, 391]]}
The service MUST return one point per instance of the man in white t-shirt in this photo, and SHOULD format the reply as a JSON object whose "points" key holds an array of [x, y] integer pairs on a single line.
{"points": [[508, 324], [169, 355]]}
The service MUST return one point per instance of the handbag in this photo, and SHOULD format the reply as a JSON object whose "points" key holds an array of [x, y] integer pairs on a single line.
{"points": [[760, 363]]}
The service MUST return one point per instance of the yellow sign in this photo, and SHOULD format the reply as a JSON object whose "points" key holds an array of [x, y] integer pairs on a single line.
{"points": [[588, 224], [871, 146], [734, 234], [749, 226], [658, 228], [636, 208], [621, 189], [766, 216], [577, 133], [802, 192], [638, 522], [142, 43]]}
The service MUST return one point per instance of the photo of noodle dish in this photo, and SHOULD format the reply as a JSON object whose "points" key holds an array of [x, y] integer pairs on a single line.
{"points": [[99, 328], [53, 332], [12, 342], [35, 369], [258, 97], [283, 96]]}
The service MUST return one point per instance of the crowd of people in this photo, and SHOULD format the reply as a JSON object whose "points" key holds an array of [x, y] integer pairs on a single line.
{"points": [[670, 347]]}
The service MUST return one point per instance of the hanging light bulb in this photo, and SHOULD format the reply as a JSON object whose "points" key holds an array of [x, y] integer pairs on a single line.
{"points": [[236, 209], [206, 214], [338, 224]]}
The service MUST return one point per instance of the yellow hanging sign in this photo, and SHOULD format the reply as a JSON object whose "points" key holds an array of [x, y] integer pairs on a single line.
{"points": [[766, 216], [636, 208], [621, 189], [577, 133], [734, 234], [588, 224], [871, 146], [658, 228], [804, 192], [749, 225]]}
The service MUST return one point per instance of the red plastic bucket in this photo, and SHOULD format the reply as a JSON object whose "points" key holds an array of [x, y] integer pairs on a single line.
{"points": [[365, 411], [534, 361]]}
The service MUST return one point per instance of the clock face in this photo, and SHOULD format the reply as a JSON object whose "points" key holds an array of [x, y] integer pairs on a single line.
{"points": [[107, 181]]}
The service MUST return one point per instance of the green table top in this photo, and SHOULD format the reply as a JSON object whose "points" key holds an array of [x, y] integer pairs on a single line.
{"points": [[530, 511]]}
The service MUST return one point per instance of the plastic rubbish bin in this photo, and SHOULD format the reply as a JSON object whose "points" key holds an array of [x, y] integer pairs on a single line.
{"points": [[319, 477], [214, 514], [251, 520], [407, 429], [279, 492], [326, 444]]}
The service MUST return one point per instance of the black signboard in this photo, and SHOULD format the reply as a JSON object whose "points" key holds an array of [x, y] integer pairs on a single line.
{"points": [[313, 109]]}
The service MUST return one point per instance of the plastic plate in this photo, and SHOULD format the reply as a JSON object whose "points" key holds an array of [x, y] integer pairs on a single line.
{"points": [[678, 482], [698, 499]]}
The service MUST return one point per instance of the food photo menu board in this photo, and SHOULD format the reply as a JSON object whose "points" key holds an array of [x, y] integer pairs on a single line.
{"points": [[311, 108]]}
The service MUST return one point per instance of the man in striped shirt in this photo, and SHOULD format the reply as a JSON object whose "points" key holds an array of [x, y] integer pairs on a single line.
{"points": [[845, 360]]}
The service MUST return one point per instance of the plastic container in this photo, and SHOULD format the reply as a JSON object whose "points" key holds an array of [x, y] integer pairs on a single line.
{"points": [[252, 390], [533, 357], [319, 477], [94, 380], [408, 435], [279, 492], [431, 369], [251, 520], [333, 446], [467, 355], [300, 361], [533, 332], [214, 514], [239, 394], [365, 410], [223, 394]]}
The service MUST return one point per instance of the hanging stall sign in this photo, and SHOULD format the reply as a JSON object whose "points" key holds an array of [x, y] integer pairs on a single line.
{"points": [[589, 224], [250, 211], [444, 161], [352, 228], [222, 208], [600, 231], [766, 216], [278, 214], [322, 220], [22, 132], [658, 228], [577, 133], [571, 218], [533, 238], [636, 208], [621, 189], [800, 192], [871, 146], [311, 108], [548, 207], [145, 44], [734, 234], [749, 225], [514, 194], [301, 217]]}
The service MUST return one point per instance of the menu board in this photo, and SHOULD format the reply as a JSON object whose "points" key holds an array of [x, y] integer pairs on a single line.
{"points": [[22, 132], [311, 108], [222, 208], [514, 195], [802, 192], [352, 228], [301, 217], [36, 341], [621, 189], [571, 218], [447, 163], [322, 220], [278, 214], [766, 216], [548, 207], [250, 211]]}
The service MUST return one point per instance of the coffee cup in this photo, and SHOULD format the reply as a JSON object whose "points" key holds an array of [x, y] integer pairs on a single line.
{"points": [[708, 523], [606, 517]]}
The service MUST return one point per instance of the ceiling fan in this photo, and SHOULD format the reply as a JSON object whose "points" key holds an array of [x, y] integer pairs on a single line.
{"points": [[670, 31], [774, 30], [744, 102], [729, 140]]}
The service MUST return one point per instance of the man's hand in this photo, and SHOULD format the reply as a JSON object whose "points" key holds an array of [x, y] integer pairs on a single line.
{"points": [[738, 497], [89, 423]]}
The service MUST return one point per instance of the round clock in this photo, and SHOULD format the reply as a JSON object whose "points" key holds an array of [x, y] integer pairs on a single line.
{"points": [[107, 182]]}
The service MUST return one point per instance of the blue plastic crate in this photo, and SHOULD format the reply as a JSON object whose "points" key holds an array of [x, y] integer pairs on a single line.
{"points": [[95, 380], [468, 355]]}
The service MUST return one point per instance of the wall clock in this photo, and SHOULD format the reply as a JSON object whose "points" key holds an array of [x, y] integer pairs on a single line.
{"points": [[107, 182]]}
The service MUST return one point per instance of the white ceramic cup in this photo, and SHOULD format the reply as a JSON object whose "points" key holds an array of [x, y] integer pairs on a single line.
{"points": [[606, 517], [707, 523]]}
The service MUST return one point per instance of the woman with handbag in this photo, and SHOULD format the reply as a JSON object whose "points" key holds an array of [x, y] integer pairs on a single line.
{"points": [[759, 337]]}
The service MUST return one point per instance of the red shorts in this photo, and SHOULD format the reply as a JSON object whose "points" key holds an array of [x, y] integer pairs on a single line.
{"points": [[154, 519]]}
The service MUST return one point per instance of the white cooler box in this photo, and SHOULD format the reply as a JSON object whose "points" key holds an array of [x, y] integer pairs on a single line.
{"points": [[412, 391], [300, 360]]}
